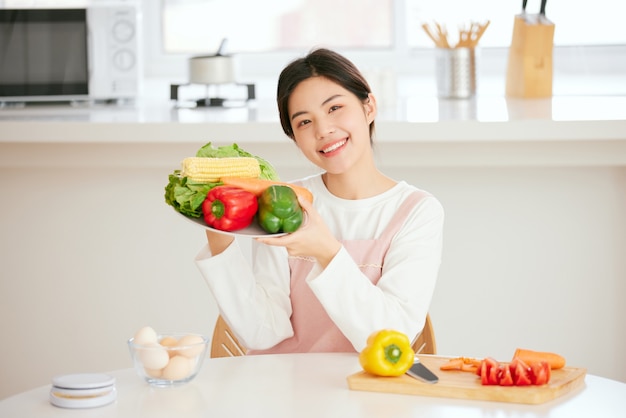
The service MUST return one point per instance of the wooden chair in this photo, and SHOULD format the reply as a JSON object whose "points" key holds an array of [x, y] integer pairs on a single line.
{"points": [[225, 344], [425, 342]]}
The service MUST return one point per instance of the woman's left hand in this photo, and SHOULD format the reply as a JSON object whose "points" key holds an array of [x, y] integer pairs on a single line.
{"points": [[312, 239]]}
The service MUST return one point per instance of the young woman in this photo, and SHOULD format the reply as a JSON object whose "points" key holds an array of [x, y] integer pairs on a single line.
{"points": [[368, 254]]}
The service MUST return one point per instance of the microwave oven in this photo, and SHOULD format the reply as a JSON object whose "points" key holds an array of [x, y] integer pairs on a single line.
{"points": [[69, 54]]}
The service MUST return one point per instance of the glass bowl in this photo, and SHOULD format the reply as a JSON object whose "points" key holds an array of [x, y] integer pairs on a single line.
{"points": [[174, 359]]}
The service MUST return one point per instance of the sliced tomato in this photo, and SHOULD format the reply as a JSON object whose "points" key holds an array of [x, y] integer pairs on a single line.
{"points": [[484, 373], [540, 373], [494, 375], [521, 373], [522, 379], [506, 377], [489, 371], [491, 362], [515, 373]]}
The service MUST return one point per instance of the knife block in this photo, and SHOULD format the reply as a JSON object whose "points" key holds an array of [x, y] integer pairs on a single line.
{"points": [[529, 71]]}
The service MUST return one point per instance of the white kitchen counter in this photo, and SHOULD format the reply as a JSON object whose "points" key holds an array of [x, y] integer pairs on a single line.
{"points": [[288, 385], [566, 130]]}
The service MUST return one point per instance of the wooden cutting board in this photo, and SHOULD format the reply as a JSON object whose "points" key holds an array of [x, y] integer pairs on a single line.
{"points": [[466, 385]]}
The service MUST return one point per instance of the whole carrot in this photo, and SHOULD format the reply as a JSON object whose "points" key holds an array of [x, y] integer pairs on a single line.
{"points": [[555, 361], [257, 186]]}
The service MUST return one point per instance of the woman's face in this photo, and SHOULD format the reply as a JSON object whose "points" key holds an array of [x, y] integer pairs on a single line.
{"points": [[330, 124]]}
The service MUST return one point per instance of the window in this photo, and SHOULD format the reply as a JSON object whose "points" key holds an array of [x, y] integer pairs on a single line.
{"points": [[375, 34], [199, 26]]}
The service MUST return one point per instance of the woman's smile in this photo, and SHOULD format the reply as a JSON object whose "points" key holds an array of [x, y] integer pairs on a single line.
{"points": [[333, 148]]}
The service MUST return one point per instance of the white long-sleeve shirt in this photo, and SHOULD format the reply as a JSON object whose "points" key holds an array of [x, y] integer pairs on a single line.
{"points": [[253, 295]]}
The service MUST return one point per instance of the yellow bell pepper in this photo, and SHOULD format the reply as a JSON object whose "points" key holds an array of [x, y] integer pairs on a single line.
{"points": [[388, 353]]}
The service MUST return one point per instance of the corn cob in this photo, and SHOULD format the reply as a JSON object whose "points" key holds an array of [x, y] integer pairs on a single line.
{"points": [[210, 170]]}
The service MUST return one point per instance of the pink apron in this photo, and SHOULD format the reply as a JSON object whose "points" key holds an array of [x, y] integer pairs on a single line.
{"points": [[314, 331]]}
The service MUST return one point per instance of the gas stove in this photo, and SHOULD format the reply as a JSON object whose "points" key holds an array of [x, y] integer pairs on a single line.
{"points": [[212, 95]]}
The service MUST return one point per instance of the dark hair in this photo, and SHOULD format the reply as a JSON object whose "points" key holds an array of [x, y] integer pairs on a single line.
{"points": [[319, 63]]}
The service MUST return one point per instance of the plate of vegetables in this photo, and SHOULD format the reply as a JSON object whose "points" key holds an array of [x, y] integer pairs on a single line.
{"points": [[253, 230], [230, 191]]}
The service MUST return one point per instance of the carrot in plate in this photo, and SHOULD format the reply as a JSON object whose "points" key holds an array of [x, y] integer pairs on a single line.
{"points": [[257, 186], [555, 361]]}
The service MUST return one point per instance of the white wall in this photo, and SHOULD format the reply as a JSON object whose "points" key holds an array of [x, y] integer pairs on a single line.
{"points": [[533, 257]]}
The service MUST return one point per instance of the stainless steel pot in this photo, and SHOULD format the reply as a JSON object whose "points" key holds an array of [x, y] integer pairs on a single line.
{"points": [[212, 69]]}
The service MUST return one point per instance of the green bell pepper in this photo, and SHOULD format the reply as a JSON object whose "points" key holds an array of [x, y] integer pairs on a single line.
{"points": [[279, 210]]}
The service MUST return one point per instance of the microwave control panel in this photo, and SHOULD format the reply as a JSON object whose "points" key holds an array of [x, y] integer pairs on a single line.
{"points": [[114, 52]]}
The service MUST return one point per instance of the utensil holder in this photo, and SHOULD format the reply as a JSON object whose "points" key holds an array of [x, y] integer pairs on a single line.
{"points": [[456, 72]]}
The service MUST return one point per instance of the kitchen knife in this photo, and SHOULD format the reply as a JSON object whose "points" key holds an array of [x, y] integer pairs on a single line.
{"points": [[542, 14], [523, 15], [421, 372]]}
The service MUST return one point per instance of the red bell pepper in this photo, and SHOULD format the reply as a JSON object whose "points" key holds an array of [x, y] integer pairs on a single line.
{"points": [[229, 208]]}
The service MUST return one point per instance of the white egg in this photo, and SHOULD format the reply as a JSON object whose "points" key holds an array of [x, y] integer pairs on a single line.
{"points": [[196, 343], [153, 356], [154, 373], [169, 343], [145, 335], [178, 368]]}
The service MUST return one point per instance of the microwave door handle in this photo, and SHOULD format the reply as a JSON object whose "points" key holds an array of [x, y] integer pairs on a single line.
{"points": [[90, 58]]}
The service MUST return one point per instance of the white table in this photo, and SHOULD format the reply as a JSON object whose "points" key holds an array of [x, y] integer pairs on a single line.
{"points": [[304, 385]]}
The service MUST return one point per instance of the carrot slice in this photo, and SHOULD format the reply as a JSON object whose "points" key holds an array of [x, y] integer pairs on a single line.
{"points": [[452, 364], [555, 361], [257, 186], [465, 364]]}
